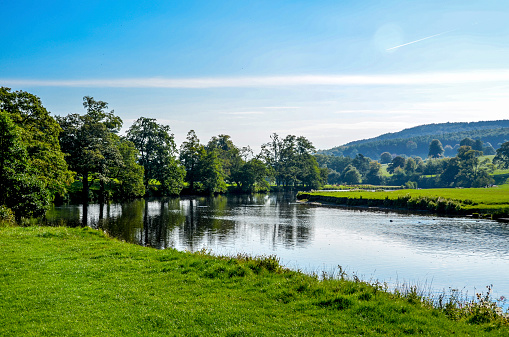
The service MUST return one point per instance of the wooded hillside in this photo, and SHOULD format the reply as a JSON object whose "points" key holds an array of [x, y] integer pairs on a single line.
{"points": [[415, 141]]}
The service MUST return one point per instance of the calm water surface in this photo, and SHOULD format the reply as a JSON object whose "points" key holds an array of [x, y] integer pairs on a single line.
{"points": [[435, 253]]}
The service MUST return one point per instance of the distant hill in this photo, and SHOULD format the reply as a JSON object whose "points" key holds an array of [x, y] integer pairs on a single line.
{"points": [[415, 141]]}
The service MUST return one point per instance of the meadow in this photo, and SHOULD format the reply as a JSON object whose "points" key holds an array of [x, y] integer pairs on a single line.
{"points": [[79, 282], [493, 201]]}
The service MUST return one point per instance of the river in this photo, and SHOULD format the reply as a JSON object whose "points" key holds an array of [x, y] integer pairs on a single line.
{"points": [[436, 254]]}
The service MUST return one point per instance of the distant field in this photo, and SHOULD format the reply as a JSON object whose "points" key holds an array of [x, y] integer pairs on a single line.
{"points": [[495, 199]]}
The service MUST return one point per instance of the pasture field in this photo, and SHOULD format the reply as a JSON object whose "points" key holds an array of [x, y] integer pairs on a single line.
{"points": [[79, 282], [463, 200]]}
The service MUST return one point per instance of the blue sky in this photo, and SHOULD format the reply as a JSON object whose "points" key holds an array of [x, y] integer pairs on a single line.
{"points": [[333, 71]]}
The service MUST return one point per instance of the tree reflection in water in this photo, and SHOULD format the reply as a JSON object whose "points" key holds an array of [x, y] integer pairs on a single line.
{"points": [[195, 222]]}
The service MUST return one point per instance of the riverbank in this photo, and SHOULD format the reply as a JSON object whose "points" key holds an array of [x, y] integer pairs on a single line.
{"points": [[77, 281], [492, 202]]}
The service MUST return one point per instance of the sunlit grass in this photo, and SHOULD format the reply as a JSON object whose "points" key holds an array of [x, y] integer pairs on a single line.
{"points": [[468, 199], [78, 282]]}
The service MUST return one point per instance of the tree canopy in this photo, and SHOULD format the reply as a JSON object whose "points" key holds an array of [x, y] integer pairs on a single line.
{"points": [[436, 150], [291, 161], [40, 156], [20, 188], [502, 157], [38, 131], [91, 142], [157, 154]]}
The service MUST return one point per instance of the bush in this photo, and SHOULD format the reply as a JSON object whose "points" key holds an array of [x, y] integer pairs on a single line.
{"points": [[6, 217]]}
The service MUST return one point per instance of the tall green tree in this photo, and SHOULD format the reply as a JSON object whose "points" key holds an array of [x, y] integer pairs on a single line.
{"points": [[436, 150], [396, 162], [90, 143], [211, 175], [361, 163], [157, 154], [471, 172], [252, 176], [467, 142], [271, 154], [39, 133], [129, 175], [502, 157], [229, 155], [291, 161], [351, 175], [20, 188], [288, 168], [190, 154], [374, 175], [451, 170], [410, 166], [385, 158]]}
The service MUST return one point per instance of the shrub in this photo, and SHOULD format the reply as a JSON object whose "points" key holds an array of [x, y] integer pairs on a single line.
{"points": [[6, 217]]}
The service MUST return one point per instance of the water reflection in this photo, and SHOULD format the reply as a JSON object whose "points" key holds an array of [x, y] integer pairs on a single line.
{"points": [[448, 252], [278, 221], [193, 222]]}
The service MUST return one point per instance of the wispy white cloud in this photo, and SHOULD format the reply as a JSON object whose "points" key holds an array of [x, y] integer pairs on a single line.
{"points": [[424, 38], [498, 75], [371, 111], [240, 113], [281, 107]]}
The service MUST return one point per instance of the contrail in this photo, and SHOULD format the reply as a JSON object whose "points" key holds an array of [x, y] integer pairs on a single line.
{"points": [[424, 38]]}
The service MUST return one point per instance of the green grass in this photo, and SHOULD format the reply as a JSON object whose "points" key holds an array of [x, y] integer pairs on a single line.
{"points": [[468, 200], [359, 187], [78, 282], [384, 170]]}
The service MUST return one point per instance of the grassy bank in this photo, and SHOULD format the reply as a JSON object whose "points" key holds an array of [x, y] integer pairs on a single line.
{"points": [[493, 201], [78, 282]]}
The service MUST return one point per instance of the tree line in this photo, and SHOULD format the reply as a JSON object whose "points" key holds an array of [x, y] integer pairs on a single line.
{"points": [[83, 157], [466, 169], [418, 145]]}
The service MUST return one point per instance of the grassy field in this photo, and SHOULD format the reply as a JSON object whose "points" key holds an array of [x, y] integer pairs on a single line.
{"points": [[78, 282], [467, 200]]}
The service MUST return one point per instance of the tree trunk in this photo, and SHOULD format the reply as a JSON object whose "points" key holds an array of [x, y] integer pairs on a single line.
{"points": [[101, 191], [85, 188]]}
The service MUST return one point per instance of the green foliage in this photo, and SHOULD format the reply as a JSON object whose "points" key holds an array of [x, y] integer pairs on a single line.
{"points": [[157, 154], [28, 196], [228, 154], [472, 172], [127, 179], [351, 175], [252, 176], [92, 146], [190, 152], [374, 175], [20, 189], [385, 158], [39, 134], [436, 149], [211, 175], [291, 161], [396, 162], [502, 157], [449, 134], [6, 216]]}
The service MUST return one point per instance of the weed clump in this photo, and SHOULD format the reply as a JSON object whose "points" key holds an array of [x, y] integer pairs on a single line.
{"points": [[482, 309]]}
